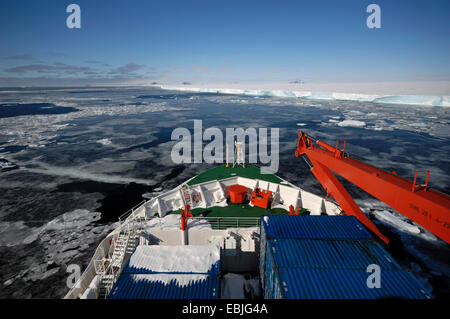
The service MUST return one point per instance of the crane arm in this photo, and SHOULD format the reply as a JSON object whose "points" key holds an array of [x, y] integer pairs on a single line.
{"points": [[427, 207]]}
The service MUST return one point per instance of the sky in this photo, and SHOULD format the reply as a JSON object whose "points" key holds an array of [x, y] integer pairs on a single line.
{"points": [[314, 41]]}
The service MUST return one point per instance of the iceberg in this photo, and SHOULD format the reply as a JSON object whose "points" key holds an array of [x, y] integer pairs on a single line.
{"points": [[442, 101], [412, 99]]}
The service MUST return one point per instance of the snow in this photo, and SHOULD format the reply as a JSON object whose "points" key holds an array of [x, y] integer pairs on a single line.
{"points": [[176, 259], [352, 123], [172, 221], [386, 216], [180, 280]]}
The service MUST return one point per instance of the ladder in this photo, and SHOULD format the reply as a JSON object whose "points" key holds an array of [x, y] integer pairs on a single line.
{"points": [[106, 282], [239, 157], [119, 250], [126, 243]]}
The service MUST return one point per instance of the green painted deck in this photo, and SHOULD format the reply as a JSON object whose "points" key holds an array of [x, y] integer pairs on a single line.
{"points": [[222, 172]]}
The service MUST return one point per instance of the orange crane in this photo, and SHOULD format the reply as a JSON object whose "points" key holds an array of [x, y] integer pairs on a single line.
{"points": [[427, 207]]}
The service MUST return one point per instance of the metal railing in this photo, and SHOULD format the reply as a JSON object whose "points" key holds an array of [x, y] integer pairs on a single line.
{"points": [[220, 223], [131, 211]]}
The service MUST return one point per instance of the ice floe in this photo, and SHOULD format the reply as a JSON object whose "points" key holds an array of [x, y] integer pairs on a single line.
{"points": [[63, 239], [352, 123], [394, 221], [36, 130]]}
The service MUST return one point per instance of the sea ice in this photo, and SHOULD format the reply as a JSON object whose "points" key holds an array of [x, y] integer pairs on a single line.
{"points": [[104, 141], [397, 222], [352, 123]]}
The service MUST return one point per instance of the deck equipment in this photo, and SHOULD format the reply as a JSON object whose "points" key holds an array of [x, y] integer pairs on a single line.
{"points": [[428, 207], [261, 198], [185, 214], [238, 193]]}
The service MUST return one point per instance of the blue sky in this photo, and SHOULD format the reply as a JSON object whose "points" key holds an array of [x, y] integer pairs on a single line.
{"points": [[235, 40]]}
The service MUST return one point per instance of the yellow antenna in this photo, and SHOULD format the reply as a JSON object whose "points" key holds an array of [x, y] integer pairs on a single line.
{"points": [[227, 157]]}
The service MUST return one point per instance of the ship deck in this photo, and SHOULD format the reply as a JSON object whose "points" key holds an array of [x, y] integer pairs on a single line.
{"points": [[222, 172], [234, 210]]}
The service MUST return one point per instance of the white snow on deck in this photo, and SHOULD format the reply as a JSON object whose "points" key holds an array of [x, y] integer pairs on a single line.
{"points": [[172, 221], [178, 279], [190, 259]]}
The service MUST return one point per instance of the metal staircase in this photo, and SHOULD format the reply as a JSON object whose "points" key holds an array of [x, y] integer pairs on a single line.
{"points": [[119, 250], [106, 281], [125, 244]]}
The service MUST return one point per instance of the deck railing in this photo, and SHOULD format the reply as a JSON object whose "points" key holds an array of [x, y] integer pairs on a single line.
{"points": [[213, 222], [131, 211], [225, 222]]}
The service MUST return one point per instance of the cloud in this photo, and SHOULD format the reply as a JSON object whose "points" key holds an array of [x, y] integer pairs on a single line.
{"points": [[42, 68], [59, 70], [93, 62], [20, 57], [30, 68], [132, 68]]}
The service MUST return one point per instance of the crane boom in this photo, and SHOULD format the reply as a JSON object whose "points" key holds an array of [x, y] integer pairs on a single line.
{"points": [[427, 207]]}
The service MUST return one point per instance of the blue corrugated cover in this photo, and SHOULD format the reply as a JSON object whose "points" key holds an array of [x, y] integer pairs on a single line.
{"points": [[332, 254], [151, 279], [134, 286], [298, 283], [307, 227], [313, 227], [323, 257]]}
